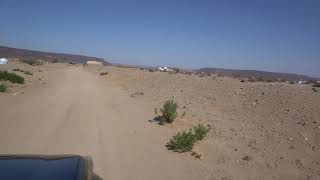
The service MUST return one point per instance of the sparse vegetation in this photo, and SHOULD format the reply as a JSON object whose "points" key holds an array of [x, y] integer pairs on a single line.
{"points": [[31, 62], [184, 142], [3, 87], [291, 82], [12, 77], [201, 131], [169, 110], [104, 73]]}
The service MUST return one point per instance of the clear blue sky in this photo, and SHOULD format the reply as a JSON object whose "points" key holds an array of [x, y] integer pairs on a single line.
{"points": [[273, 35]]}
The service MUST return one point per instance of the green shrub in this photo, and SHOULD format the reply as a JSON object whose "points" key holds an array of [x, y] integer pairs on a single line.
{"points": [[12, 77], [182, 142], [291, 82], [200, 131], [104, 73], [3, 87], [169, 111]]}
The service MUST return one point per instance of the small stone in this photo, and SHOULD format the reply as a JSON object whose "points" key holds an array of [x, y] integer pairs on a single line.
{"points": [[246, 158]]}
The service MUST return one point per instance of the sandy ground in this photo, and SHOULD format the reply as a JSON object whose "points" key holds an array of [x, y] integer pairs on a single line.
{"points": [[64, 109]]}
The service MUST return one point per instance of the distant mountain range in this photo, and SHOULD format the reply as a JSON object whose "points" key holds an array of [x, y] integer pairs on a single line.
{"points": [[9, 52], [257, 74]]}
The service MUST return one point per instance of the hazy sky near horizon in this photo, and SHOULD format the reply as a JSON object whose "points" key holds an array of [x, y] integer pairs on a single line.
{"points": [[272, 35]]}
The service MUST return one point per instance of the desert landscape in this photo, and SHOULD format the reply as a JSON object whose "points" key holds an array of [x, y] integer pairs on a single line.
{"points": [[258, 130]]}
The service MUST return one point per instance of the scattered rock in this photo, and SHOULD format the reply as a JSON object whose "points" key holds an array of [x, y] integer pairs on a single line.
{"points": [[247, 158], [137, 94]]}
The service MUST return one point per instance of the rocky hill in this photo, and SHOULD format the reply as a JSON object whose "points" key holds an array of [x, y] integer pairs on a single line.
{"points": [[9, 52], [256, 74]]}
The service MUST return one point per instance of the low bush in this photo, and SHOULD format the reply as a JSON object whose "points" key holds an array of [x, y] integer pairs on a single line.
{"points": [[182, 142], [169, 111], [200, 131], [12, 77], [3, 87], [104, 73]]}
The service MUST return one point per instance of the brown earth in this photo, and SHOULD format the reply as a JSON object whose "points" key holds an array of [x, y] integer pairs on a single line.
{"points": [[260, 130]]}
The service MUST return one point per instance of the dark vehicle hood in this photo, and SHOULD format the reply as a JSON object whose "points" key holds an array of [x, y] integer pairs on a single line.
{"points": [[41, 167]]}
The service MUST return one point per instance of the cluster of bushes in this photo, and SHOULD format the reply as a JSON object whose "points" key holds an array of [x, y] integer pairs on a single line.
{"points": [[12, 77], [184, 141], [169, 112]]}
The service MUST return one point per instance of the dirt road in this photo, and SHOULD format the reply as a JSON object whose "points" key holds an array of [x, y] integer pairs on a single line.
{"points": [[78, 113]]}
